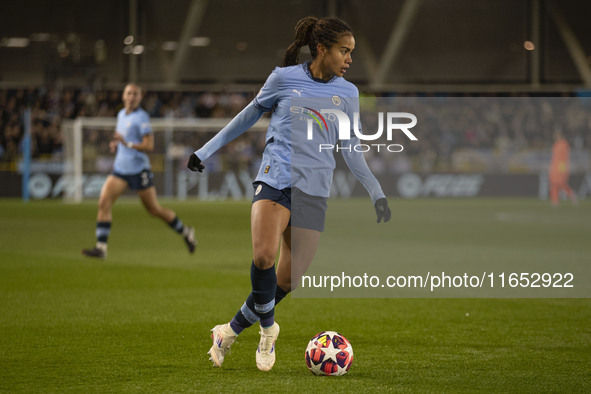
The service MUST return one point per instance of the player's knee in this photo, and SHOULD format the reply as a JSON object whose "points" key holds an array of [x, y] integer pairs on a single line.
{"points": [[264, 260], [104, 204]]}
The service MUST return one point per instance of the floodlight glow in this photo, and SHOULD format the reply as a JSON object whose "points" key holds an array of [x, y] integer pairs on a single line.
{"points": [[199, 41]]}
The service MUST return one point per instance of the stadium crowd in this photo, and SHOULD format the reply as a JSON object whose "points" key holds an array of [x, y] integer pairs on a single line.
{"points": [[50, 106], [454, 132]]}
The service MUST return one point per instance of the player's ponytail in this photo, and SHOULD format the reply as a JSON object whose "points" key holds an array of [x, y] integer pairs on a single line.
{"points": [[312, 31], [302, 37]]}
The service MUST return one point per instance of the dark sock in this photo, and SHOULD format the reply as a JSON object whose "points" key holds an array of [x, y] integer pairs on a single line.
{"points": [[264, 286], [245, 317], [103, 229], [280, 294], [177, 225]]}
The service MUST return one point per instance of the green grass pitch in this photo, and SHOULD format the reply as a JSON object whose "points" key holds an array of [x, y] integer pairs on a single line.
{"points": [[139, 321]]}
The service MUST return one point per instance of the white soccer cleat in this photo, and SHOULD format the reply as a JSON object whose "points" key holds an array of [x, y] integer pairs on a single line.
{"points": [[266, 350], [223, 337], [189, 237]]}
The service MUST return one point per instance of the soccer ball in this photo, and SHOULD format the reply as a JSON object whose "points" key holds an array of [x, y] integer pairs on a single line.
{"points": [[329, 353]]}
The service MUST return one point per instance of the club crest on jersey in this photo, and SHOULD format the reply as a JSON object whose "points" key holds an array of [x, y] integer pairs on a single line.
{"points": [[336, 100], [259, 188]]}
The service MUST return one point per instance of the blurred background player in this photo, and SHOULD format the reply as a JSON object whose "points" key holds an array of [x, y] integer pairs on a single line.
{"points": [[560, 168], [133, 137], [278, 222]]}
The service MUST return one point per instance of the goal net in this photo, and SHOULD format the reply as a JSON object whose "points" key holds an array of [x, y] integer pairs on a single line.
{"points": [[88, 160]]}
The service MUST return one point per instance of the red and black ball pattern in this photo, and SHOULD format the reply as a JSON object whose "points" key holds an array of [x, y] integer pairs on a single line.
{"points": [[329, 353]]}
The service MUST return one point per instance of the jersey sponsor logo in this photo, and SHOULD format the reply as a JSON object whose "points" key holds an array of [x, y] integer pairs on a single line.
{"points": [[297, 110], [317, 117], [267, 169], [299, 92]]}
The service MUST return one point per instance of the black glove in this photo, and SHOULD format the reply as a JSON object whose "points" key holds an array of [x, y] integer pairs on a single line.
{"points": [[194, 163], [382, 210]]}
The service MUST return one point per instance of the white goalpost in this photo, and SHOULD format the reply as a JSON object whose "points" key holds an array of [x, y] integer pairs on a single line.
{"points": [[88, 160]]}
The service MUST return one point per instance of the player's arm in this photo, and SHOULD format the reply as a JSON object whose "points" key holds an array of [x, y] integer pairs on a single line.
{"points": [[115, 141], [113, 145], [358, 166], [240, 124], [147, 144], [237, 126]]}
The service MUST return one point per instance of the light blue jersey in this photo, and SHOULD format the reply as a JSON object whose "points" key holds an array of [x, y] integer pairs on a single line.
{"points": [[133, 127], [290, 158]]}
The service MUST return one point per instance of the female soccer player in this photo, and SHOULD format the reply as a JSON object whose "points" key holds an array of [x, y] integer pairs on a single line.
{"points": [[133, 137], [277, 220]]}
